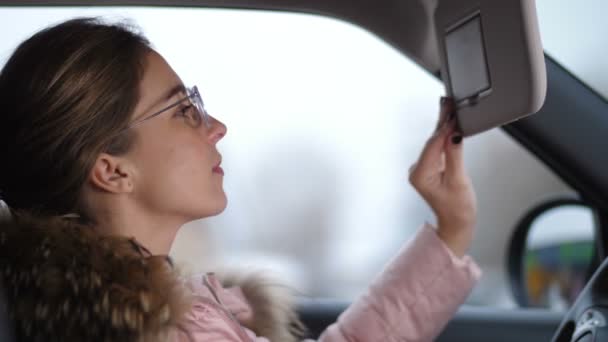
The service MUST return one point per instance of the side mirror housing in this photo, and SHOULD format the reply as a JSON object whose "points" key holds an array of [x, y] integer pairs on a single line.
{"points": [[552, 254]]}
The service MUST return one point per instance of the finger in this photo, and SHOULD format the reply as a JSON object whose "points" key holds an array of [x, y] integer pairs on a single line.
{"points": [[430, 160], [412, 168], [454, 160]]}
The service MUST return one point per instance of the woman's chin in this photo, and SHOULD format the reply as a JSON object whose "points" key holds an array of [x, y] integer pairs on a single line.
{"points": [[220, 209], [213, 208]]}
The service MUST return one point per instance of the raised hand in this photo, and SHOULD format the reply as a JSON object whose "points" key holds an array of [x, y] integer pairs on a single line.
{"points": [[440, 177]]}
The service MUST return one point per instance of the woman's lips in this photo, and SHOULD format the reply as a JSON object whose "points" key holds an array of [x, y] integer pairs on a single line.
{"points": [[218, 169]]}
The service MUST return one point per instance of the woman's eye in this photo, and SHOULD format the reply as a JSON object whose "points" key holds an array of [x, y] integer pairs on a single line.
{"points": [[190, 114], [185, 110]]}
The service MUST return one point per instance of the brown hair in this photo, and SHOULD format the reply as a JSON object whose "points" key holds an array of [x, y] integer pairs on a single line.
{"points": [[65, 94]]}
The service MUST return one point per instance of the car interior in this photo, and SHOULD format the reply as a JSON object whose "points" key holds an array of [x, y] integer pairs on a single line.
{"points": [[566, 135]]}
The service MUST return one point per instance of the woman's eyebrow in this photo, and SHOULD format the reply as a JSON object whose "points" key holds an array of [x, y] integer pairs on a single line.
{"points": [[178, 88]]}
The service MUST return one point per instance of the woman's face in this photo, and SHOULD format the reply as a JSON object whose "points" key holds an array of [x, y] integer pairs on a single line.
{"points": [[176, 162]]}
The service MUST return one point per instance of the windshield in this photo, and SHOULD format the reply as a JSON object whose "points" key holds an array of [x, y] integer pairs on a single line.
{"points": [[574, 34]]}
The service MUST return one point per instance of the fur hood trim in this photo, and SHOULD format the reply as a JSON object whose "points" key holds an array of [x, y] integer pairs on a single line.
{"points": [[272, 303], [64, 281]]}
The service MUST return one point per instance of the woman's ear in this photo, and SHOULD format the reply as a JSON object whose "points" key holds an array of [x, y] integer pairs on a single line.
{"points": [[112, 174]]}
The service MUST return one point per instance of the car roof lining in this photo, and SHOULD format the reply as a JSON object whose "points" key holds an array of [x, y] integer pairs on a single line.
{"points": [[406, 25]]}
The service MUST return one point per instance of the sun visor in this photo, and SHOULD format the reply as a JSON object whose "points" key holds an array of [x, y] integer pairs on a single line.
{"points": [[492, 60]]}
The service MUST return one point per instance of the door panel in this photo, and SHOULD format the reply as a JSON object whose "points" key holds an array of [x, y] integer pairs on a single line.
{"points": [[469, 324], [500, 325]]}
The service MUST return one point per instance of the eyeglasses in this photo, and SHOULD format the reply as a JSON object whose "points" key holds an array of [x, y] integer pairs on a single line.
{"points": [[195, 99]]}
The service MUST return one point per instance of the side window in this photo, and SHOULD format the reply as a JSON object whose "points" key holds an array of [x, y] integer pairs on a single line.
{"points": [[576, 48], [324, 120]]}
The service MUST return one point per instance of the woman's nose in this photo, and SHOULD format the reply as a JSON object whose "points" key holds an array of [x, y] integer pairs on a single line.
{"points": [[217, 130]]}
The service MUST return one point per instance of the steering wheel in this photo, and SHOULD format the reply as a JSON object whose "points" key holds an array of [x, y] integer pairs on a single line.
{"points": [[586, 321]]}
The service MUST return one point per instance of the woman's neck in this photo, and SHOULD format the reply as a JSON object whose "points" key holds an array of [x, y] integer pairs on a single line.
{"points": [[154, 232]]}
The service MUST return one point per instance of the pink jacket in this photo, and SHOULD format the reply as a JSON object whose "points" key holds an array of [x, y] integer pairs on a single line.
{"points": [[412, 299]]}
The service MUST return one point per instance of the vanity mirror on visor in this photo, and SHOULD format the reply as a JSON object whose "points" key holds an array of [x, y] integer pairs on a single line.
{"points": [[492, 61]]}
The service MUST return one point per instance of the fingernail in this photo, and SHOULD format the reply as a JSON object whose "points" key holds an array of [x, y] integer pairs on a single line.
{"points": [[457, 139]]}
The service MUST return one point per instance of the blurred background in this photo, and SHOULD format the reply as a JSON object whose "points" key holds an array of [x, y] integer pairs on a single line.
{"points": [[324, 120]]}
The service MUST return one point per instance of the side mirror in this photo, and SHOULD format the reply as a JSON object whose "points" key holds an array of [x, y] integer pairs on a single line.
{"points": [[553, 253]]}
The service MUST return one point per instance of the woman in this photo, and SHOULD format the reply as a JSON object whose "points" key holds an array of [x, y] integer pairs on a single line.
{"points": [[107, 154]]}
